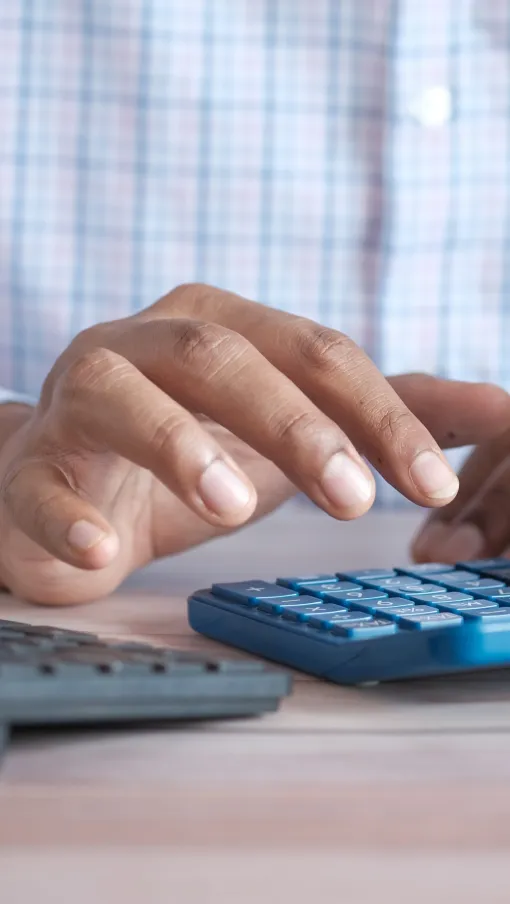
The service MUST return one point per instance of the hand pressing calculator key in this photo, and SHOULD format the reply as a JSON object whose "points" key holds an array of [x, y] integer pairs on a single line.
{"points": [[375, 624]]}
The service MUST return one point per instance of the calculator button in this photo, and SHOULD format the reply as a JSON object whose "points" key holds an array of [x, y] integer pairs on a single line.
{"points": [[499, 574], [362, 630], [322, 590], [423, 590], [470, 606], [399, 583], [326, 619], [294, 583], [489, 615], [414, 611], [499, 594], [455, 576], [278, 606], [361, 594], [366, 574], [304, 614], [482, 565], [454, 596], [424, 569], [394, 603], [250, 592], [478, 584], [437, 620]]}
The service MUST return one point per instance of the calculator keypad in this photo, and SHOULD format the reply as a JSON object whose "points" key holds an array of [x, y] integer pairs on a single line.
{"points": [[374, 602]]}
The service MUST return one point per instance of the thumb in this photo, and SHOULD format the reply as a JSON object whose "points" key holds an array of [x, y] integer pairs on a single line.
{"points": [[456, 413]]}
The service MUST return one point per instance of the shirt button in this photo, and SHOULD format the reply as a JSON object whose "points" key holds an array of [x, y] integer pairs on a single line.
{"points": [[433, 107]]}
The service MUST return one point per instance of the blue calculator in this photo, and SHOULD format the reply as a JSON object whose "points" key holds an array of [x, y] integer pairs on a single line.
{"points": [[365, 625]]}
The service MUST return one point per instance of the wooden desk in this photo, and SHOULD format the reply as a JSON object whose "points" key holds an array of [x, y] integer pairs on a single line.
{"points": [[359, 793]]}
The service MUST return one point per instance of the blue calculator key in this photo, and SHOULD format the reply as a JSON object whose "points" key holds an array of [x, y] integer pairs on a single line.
{"points": [[499, 613], [413, 610], [250, 592], [464, 580], [361, 594], [423, 590], [436, 620], [366, 574], [322, 590], [470, 606], [327, 619], [296, 582], [303, 613], [399, 583], [483, 564], [477, 584], [453, 596], [455, 576], [424, 569], [393, 604], [279, 605], [363, 630], [500, 574], [499, 594]]}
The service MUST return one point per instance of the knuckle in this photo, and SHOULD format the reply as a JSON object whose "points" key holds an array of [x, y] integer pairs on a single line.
{"points": [[325, 349], [85, 372], [294, 431], [169, 436], [186, 298], [394, 425], [203, 346]]}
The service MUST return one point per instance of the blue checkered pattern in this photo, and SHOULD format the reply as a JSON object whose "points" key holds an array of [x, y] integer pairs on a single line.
{"points": [[271, 147]]}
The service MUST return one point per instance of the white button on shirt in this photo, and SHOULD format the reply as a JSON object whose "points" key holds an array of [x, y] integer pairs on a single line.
{"points": [[433, 108]]}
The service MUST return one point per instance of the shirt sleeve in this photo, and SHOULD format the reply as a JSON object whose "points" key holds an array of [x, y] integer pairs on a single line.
{"points": [[8, 396]]}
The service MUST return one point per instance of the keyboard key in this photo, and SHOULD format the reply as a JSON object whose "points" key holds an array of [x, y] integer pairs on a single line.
{"points": [[363, 630], [437, 620], [294, 583], [250, 592], [334, 587], [399, 583], [424, 569], [367, 574], [327, 620], [298, 603]]}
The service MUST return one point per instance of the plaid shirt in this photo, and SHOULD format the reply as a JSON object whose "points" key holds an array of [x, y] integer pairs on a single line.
{"points": [[348, 160]]}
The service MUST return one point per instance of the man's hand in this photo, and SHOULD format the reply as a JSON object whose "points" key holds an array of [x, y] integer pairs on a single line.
{"points": [[477, 523], [156, 432]]}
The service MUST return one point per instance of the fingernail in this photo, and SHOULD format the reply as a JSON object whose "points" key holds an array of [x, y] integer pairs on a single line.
{"points": [[344, 483], [433, 476], [449, 544], [84, 535], [222, 490]]}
